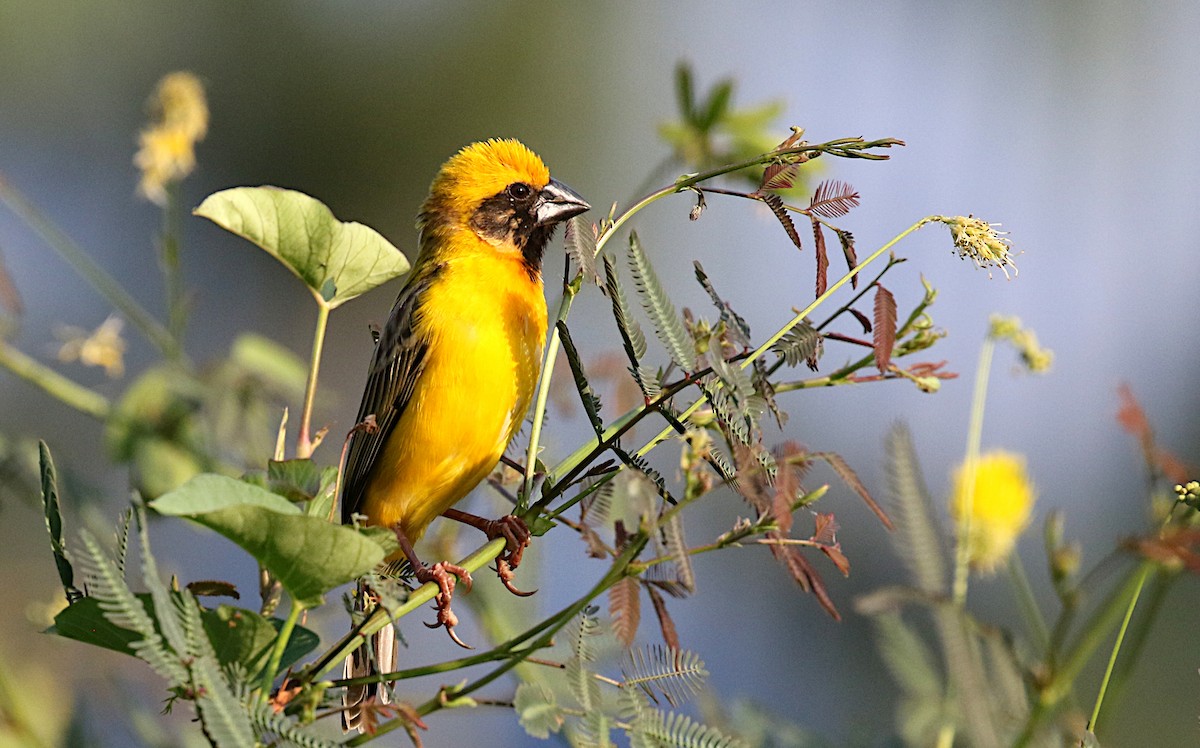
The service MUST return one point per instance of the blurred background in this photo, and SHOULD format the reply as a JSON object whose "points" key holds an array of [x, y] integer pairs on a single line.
{"points": [[1071, 123]]}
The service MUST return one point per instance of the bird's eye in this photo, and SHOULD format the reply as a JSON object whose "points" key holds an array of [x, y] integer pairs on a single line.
{"points": [[519, 191]]}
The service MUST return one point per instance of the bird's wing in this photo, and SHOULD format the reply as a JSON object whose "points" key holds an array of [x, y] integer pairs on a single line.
{"points": [[395, 369]]}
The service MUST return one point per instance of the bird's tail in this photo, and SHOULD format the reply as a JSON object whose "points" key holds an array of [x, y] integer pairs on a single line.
{"points": [[378, 654]]}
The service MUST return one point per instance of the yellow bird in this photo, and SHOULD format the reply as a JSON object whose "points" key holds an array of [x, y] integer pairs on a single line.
{"points": [[454, 370]]}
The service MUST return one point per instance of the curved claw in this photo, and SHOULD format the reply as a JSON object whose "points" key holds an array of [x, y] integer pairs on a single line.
{"points": [[506, 575], [445, 575]]}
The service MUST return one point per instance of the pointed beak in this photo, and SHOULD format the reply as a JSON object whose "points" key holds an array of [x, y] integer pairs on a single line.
{"points": [[558, 202]]}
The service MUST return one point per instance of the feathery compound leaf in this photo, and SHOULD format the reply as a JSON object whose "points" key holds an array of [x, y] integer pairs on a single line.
{"points": [[122, 538], [833, 199], [918, 539], [658, 306], [537, 710], [164, 606], [224, 719], [906, 656], [737, 326], [580, 240], [677, 577], [847, 241], [847, 474], [779, 176], [591, 400], [632, 338], [594, 730], [640, 464], [822, 257], [775, 203], [674, 674], [122, 608], [884, 333], [625, 609], [801, 343], [673, 730], [269, 722], [66, 574]]}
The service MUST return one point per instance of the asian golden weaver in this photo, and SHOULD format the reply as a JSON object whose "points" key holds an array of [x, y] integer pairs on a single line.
{"points": [[454, 370]]}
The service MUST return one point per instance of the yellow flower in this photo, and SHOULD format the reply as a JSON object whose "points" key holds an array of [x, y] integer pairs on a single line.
{"points": [[980, 241], [1000, 507], [103, 347], [166, 148]]}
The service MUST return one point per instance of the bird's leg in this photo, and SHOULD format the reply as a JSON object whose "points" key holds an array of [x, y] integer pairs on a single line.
{"points": [[443, 574], [516, 539]]}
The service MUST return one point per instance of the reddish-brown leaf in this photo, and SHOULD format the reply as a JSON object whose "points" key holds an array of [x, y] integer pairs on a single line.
{"points": [[624, 605], [885, 327], [213, 588], [775, 203], [833, 199], [803, 573], [825, 528], [834, 552], [863, 319], [779, 176], [847, 241], [851, 479], [822, 257], [1175, 548], [669, 634]]}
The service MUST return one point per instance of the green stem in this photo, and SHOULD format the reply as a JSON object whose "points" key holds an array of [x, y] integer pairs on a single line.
{"points": [[75, 395], [543, 394], [1028, 604], [962, 557], [544, 633], [281, 642], [1143, 572], [172, 275], [79, 260], [304, 445]]}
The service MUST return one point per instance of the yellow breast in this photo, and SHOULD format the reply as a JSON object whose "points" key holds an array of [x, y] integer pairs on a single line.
{"points": [[485, 320]]}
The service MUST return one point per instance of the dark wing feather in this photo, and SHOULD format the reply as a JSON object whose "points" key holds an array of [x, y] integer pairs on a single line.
{"points": [[395, 368]]}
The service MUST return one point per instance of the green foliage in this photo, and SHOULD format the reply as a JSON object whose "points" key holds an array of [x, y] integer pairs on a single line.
{"points": [[307, 554], [663, 317], [338, 261]]}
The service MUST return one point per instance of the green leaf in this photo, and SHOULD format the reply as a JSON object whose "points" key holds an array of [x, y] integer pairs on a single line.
{"points": [[337, 260], [683, 91], [66, 574], [536, 710], [918, 538], [591, 400], [658, 306], [243, 636], [716, 106], [675, 674], [309, 555], [580, 241], [226, 723], [238, 635], [270, 362], [801, 343]]}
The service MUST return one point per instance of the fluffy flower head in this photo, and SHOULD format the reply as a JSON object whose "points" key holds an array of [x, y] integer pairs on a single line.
{"points": [[1000, 507]]}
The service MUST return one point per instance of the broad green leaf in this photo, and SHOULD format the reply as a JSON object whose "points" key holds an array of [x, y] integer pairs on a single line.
{"points": [[240, 635], [337, 260], [309, 555], [270, 362], [66, 574], [237, 635]]}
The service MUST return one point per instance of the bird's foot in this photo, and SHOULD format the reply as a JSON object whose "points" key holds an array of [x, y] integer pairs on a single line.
{"points": [[445, 575], [516, 539]]}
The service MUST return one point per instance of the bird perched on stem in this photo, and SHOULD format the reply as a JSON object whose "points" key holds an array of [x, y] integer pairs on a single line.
{"points": [[454, 372]]}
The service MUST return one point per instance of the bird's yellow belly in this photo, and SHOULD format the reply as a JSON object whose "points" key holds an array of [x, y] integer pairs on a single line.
{"points": [[480, 372]]}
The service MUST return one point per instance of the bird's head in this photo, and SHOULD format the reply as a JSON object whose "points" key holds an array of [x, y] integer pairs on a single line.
{"points": [[500, 190]]}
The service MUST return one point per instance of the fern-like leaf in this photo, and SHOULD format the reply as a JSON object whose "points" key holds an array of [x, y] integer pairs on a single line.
{"points": [[674, 674], [833, 199], [640, 464], [884, 332], [223, 717], [266, 721], [666, 624], [580, 240], [674, 730], [847, 241], [907, 657], [122, 539], [53, 512], [658, 306], [822, 257], [124, 610], [593, 730], [164, 605], [632, 336], [537, 710], [851, 479], [739, 329], [674, 544], [801, 343], [775, 203], [917, 539], [589, 397], [624, 606]]}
